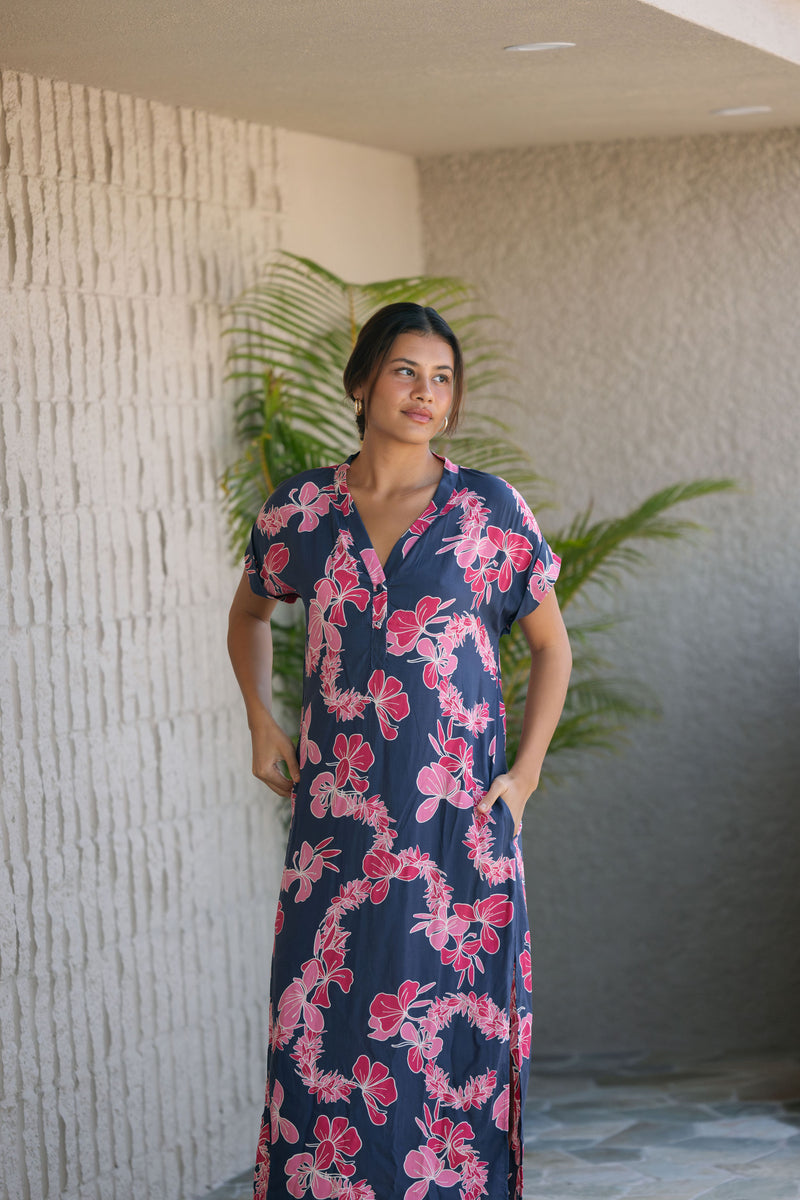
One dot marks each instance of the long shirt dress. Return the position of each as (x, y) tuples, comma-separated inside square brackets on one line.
[(400, 999)]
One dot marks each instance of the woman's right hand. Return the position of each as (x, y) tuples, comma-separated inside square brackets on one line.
[(270, 747)]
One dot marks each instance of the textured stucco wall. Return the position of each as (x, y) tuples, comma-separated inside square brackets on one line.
[(651, 292), (140, 862)]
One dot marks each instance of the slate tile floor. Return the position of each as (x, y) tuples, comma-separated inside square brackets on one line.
[(638, 1127)]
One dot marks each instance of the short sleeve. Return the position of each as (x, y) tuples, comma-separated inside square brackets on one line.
[(271, 556), (528, 567)]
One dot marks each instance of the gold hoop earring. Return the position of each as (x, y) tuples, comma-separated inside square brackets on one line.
[(359, 405), (443, 429)]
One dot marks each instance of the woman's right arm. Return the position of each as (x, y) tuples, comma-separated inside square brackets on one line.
[(250, 650)]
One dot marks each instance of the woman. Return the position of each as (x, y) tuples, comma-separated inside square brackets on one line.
[(400, 1017)]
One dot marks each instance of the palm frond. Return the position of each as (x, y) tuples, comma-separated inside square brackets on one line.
[(597, 716), (603, 551)]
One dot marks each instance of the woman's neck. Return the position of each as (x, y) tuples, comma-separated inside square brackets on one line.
[(392, 468)]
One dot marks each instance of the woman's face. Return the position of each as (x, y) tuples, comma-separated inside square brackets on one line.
[(413, 390)]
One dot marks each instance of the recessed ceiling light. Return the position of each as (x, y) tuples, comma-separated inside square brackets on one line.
[(744, 111), (540, 46)]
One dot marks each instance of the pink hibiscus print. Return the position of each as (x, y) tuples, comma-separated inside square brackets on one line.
[(275, 560), (423, 522), (463, 957), (309, 751), (323, 788), (383, 866), (334, 593), (377, 1087), (440, 927), (404, 627), (425, 1167), (391, 703), (480, 579), (331, 971), (493, 912), (450, 1139), (525, 964), (337, 1138), (464, 544), (513, 549), (302, 1175), (321, 632), (309, 862), (388, 1011), (500, 1109), (438, 784), (281, 1126), (438, 658), (373, 565), (295, 1000), (456, 754), (543, 578), (522, 1049), (311, 502), (422, 1042), (354, 757)]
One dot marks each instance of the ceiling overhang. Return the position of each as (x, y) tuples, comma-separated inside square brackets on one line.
[(429, 79)]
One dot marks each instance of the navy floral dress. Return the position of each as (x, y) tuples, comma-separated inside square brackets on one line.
[(400, 1001)]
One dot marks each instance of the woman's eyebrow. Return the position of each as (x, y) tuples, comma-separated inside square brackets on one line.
[(411, 363)]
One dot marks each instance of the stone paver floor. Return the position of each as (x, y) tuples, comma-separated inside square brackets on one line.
[(638, 1127)]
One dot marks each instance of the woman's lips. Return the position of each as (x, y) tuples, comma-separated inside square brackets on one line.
[(417, 414)]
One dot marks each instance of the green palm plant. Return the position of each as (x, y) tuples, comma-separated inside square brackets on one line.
[(289, 338)]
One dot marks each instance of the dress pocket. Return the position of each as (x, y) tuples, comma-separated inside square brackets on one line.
[(507, 817)]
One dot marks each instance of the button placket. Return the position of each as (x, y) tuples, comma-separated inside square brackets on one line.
[(380, 598)]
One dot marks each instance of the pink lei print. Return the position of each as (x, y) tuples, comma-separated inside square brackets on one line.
[(400, 1000)]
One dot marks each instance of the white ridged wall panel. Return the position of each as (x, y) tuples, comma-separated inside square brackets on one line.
[(139, 860)]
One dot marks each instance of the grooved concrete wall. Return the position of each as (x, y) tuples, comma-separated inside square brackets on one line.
[(651, 292), (140, 862)]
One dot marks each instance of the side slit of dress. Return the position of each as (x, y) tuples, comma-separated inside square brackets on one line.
[(514, 1099)]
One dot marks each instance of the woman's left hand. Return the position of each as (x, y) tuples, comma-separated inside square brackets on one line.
[(514, 792)]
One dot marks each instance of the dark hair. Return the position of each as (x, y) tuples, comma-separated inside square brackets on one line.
[(376, 339)]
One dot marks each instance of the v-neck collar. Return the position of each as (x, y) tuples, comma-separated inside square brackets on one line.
[(369, 555)]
